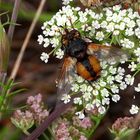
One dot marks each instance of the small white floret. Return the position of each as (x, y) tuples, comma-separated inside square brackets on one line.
[(44, 57), (66, 98), (134, 109), (137, 89), (115, 98)]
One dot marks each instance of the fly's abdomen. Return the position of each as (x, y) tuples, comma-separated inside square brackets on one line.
[(95, 63), (89, 68)]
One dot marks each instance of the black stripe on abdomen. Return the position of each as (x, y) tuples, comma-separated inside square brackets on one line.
[(88, 67)]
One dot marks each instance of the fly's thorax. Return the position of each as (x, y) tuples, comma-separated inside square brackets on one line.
[(77, 49)]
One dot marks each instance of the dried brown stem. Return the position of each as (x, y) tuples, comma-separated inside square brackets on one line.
[(13, 19), (27, 38)]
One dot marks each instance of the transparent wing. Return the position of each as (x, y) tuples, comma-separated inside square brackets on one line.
[(104, 52), (65, 78), (85, 2), (91, 2)]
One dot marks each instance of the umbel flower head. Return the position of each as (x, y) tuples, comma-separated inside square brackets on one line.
[(23, 120), (123, 127), (4, 49), (35, 113), (120, 123), (113, 25)]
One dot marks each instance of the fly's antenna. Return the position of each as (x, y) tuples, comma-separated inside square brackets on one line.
[(60, 32), (71, 23), (61, 27), (65, 26), (65, 29)]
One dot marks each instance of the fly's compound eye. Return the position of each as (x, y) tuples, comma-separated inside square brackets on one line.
[(76, 48), (78, 53)]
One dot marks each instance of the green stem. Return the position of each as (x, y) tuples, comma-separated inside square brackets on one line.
[(26, 132), (51, 132), (4, 93), (53, 50), (136, 73), (45, 136), (94, 128), (97, 123), (7, 109), (4, 13)]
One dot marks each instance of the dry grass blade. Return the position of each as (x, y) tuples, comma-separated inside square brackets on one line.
[(27, 38), (13, 19)]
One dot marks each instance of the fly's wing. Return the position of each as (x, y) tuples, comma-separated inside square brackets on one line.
[(85, 2), (89, 3), (65, 78), (104, 52)]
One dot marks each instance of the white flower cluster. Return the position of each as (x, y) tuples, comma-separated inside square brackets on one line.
[(53, 30), (66, 2), (111, 26)]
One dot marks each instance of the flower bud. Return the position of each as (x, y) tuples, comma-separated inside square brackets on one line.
[(4, 50), (23, 120)]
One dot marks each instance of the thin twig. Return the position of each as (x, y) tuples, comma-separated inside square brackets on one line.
[(28, 36), (13, 19)]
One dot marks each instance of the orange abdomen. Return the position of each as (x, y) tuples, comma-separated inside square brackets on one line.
[(89, 68)]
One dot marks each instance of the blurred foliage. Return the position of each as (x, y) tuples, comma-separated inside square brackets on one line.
[(8, 133), (6, 97), (24, 14)]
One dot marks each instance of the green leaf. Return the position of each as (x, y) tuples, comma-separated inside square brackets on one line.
[(1, 99), (8, 133), (16, 92), (113, 132), (95, 118), (125, 132)]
